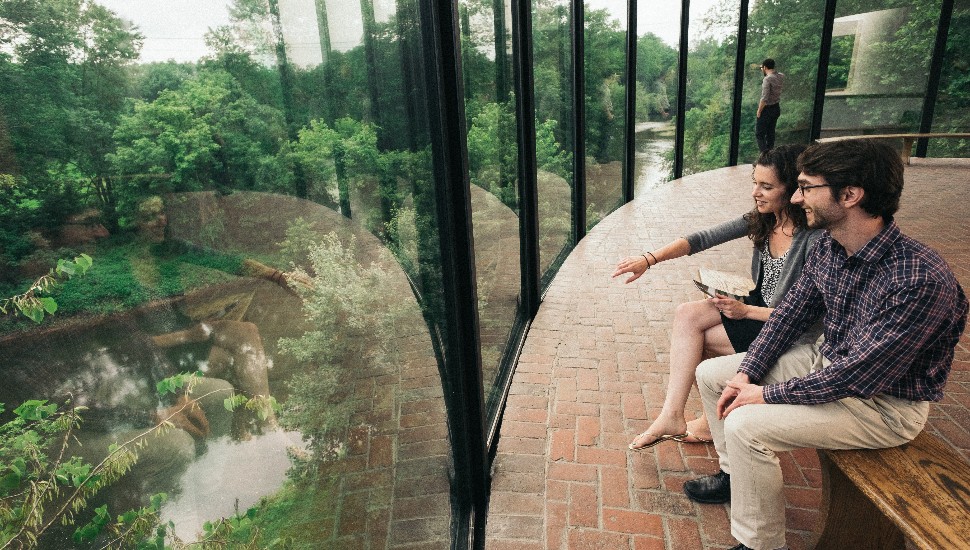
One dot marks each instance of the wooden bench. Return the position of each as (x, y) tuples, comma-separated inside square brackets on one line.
[(876, 499), (908, 139)]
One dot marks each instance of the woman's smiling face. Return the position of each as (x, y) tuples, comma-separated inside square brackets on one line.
[(768, 191)]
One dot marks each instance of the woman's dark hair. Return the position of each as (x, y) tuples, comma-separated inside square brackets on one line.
[(784, 160)]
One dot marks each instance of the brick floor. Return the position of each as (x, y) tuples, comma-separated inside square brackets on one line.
[(594, 367)]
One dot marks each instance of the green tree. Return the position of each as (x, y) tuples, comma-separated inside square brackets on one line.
[(551, 45), (208, 134), (492, 152), (19, 206), (150, 79), (605, 103), (351, 330), (953, 107), (708, 110), (63, 82), (550, 155), (343, 163), (656, 76)]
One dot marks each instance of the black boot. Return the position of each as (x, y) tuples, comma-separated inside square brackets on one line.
[(740, 547), (715, 489)]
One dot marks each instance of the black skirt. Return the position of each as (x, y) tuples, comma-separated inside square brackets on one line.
[(742, 332)]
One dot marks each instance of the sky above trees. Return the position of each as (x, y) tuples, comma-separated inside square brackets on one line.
[(175, 29), (660, 17)]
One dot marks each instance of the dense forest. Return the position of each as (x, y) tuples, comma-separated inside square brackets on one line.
[(86, 127)]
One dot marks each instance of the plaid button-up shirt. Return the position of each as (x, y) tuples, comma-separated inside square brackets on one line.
[(893, 312)]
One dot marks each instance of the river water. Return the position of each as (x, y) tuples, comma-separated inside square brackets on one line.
[(111, 366), (654, 142)]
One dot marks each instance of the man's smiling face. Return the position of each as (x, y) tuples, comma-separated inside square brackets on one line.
[(821, 209)]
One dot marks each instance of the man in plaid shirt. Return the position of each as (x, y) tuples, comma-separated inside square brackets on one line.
[(892, 313)]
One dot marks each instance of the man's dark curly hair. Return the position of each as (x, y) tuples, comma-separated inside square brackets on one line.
[(784, 160), (866, 163)]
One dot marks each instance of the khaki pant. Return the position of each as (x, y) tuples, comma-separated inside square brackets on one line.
[(749, 437)]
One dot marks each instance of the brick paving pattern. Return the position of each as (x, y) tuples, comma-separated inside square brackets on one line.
[(593, 371)]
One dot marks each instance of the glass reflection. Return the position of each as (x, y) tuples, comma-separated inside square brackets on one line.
[(254, 338), (879, 66), (493, 171), (551, 44), (788, 45), (952, 113), (605, 48), (658, 38), (710, 81)]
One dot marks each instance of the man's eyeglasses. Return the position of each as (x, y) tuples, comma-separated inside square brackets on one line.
[(804, 188)]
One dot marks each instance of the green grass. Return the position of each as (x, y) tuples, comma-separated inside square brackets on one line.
[(127, 275), (301, 513)]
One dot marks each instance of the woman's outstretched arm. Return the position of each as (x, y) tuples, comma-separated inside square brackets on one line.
[(638, 265)]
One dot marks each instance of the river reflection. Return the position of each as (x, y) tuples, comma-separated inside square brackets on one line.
[(229, 477), (213, 462)]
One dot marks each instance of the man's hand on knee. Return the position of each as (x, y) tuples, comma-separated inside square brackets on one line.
[(739, 391)]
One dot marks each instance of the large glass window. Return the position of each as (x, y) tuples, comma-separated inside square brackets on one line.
[(255, 336), (879, 66), (493, 171), (710, 84), (794, 46), (605, 47), (554, 126), (658, 37), (221, 290)]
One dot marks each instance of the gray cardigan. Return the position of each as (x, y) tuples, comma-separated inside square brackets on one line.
[(735, 229)]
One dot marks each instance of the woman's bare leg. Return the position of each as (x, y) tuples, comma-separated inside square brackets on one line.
[(697, 333), (716, 344)]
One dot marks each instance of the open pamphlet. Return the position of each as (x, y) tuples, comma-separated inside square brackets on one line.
[(719, 283)]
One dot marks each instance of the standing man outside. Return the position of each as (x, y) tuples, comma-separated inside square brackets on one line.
[(768, 107), (893, 313)]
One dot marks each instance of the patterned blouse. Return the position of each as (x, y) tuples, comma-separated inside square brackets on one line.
[(770, 272)]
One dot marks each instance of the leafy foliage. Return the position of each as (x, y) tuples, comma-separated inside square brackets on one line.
[(336, 160), (36, 473), (350, 323), (605, 104), (550, 155), (656, 76), (131, 274), (32, 304), (172, 384), (493, 153), (41, 485), (70, 59), (208, 133)]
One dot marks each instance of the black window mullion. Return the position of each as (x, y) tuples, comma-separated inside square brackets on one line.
[(936, 70), (825, 51), (735, 147), (524, 79), (630, 145), (462, 368), (681, 90), (578, 18)]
